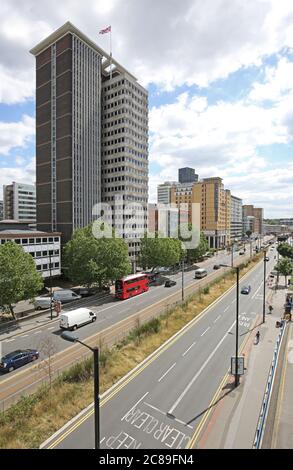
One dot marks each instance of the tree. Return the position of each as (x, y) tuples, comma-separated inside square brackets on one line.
[(194, 254), (285, 267), (160, 251), (19, 278), (89, 260), (248, 233), (285, 250)]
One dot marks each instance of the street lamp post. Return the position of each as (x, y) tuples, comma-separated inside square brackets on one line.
[(264, 286), (232, 249), (182, 291), (51, 293), (74, 339), (236, 382)]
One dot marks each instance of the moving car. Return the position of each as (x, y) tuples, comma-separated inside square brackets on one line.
[(170, 283), (83, 291), (18, 358), (217, 266), (200, 273), (245, 290), (79, 317), (65, 295)]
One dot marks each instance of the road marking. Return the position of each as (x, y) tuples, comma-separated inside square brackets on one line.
[(51, 328), (233, 301), (217, 318), (37, 332), (9, 340), (187, 388), (24, 336), (257, 290), (135, 405), (227, 308), (164, 375), (205, 331), (162, 412), (102, 440), (188, 349)]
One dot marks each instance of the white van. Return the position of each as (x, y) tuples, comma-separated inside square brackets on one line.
[(72, 320), (200, 273), (42, 302)]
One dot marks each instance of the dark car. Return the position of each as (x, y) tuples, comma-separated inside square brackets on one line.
[(217, 266), (241, 252), (245, 290), (83, 291), (170, 283), (17, 359)]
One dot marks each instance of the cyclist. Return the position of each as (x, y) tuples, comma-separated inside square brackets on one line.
[(270, 308), (257, 336)]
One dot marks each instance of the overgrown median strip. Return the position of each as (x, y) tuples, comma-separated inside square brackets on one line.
[(33, 419)]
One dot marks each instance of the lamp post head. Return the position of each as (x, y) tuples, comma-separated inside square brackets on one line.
[(69, 337)]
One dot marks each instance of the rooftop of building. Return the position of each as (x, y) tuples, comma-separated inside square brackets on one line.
[(26, 233), (68, 27)]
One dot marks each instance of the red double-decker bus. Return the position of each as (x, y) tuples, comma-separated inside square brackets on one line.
[(131, 285)]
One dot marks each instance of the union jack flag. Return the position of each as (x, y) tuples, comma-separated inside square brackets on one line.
[(106, 30)]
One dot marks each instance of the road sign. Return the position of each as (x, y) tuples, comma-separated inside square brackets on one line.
[(240, 365)]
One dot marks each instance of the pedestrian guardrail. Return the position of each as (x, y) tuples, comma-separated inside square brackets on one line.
[(268, 391)]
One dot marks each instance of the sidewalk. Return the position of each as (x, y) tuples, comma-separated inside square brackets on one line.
[(234, 419)]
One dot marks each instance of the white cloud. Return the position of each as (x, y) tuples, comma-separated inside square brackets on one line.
[(16, 134)]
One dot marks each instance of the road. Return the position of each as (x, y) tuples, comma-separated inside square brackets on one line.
[(161, 404)]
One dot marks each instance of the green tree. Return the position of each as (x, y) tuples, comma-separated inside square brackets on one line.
[(19, 278), (285, 267), (89, 260), (194, 254), (285, 250), (248, 233), (160, 251)]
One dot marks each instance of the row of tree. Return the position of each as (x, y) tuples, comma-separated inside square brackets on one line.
[(87, 261), (285, 265)]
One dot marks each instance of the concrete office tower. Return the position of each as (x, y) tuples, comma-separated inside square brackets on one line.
[(77, 167), (187, 175), (248, 210), (236, 218), (19, 202), (125, 154), (164, 192)]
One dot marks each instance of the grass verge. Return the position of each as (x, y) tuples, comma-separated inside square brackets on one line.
[(36, 417)]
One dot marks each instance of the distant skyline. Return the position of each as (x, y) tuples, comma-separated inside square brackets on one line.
[(219, 75)]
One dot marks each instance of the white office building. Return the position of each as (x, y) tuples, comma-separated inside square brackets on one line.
[(19, 202)]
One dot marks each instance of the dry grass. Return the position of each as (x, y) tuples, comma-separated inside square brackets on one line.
[(31, 421)]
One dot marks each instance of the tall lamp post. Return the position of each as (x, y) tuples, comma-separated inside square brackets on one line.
[(74, 339), (182, 288), (51, 293), (264, 286), (237, 269)]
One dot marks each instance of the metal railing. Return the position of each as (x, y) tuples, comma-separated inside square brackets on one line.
[(268, 391)]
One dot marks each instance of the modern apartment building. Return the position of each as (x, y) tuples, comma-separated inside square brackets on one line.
[(187, 175), (91, 135), (19, 202), (1, 210), (182, 197), (215, 207), (164, 192), (236, 218), (248, 210)]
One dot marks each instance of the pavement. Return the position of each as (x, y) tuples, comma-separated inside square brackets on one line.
[(167, 401), (234, 418)]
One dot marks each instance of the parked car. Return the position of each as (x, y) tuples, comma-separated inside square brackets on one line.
[(18, 358), (75, 318), (245, 290), (83, 291), (170, 283), (65, 295), (217, 266), (43, 301)]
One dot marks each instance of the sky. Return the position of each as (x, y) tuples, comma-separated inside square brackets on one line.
[(219, 75)]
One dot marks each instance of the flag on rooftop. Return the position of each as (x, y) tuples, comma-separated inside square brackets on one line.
[(106, 30)]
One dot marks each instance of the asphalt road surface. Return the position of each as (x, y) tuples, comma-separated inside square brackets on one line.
[(160, 405)]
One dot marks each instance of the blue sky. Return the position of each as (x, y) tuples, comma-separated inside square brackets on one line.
[(219, 76)]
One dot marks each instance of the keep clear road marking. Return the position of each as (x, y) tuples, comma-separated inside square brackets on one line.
[(162, 412), (205, 331), (164, 375), (179, 399), (184, 354), (217, 318), (135, 405)]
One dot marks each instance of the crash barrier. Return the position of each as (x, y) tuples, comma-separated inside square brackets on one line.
[(268, 391)]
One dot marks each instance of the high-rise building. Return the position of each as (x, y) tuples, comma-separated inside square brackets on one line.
[(236, 218), (164, 192), (19, 202), (91, 134), (187, 175), (248, 210), (182, 196), (1, 210)]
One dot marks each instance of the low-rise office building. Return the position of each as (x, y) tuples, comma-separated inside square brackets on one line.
[(19, 202)]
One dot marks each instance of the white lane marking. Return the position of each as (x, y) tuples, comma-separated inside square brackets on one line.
[(217, 318), (205, 331), (135, 405), (188, 349), (9, 340), (227, 308), (233, 301), (37, 332), (162, 412), (52, 328), (179, 399), (164, 375), (102, 440), (24, 336), (253, 296)]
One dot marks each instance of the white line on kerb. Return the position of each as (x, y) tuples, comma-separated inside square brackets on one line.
[(23, 336), (200, 371), (52, 328), (205, 331), (164, 375), (188, 349), (217, 318)]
